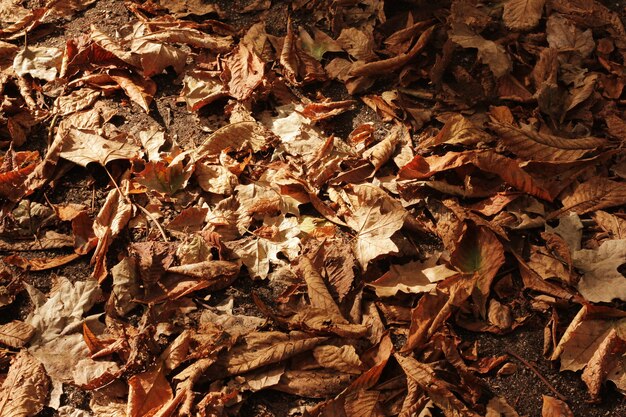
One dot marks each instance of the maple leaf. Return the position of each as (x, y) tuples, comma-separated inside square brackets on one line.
[(601, 280), (156, 57), (489, 52), (167, 176), (258, 252), (374, 228), (84, 147)]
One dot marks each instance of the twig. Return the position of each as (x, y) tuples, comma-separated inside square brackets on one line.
[(129, 201), (532, 368)]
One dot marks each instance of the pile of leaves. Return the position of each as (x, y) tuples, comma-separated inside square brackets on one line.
[(490, 190)]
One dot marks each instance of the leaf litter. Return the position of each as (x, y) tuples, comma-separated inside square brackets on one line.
[(207, 206)]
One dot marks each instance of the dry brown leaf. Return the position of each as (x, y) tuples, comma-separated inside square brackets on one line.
[(614, 225), (155, 57), (299, 67), (359, 69), (553, 407), (38, 61), (265, 348), (506, 168), (16, 333), (344, 358), (50, 240), (191, 37), (522, 14), (140, 90), (602, 280), (489, 52), (319, 296), (205, 270), (594, 194), (374, 226), (84, 147), (313, 384), (564, 36), (148, 391), (201, 88), (539, 146), (326, 110), (438, 390), (358, 43), (383, 150), (235, 136), (25, 389), (243, 72)]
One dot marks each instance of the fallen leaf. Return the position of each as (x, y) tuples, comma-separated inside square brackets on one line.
[(38, 62), (266, 348), (201, 88), (564, 36), (343, 359), (522, 14), (243, 72), (84, 147), (16, 333), (539, 146), (374, 227), (594, 194), (553, 407), (602, 280), (140, 90), (489, 52), (148, 391), (25, 389)]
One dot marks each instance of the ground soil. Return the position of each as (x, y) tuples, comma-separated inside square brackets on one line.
[(523, 389)]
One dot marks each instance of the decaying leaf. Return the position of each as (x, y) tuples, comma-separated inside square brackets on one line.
[(522, 14), (24, 391), (16, 333), (489, 53)]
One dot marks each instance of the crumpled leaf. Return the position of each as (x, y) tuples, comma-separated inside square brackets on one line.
[(148, 391), (299, 67), (258, 252), (41, 62), (564, 36), (438, 390), (155, 57), (489, 52), (522, 14), (16, 333), (266, 348), (83, 147), (138, 89), (344, 358), (201, 88), (507, 169), (25, 389), (243, 72), (166, 176), (601, 280)]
